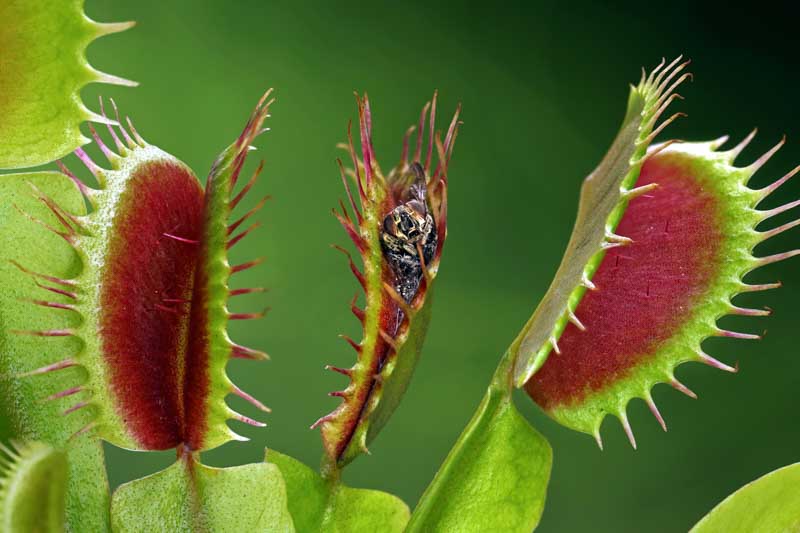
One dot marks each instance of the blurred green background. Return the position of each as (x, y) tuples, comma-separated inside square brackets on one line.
[(544, 85)]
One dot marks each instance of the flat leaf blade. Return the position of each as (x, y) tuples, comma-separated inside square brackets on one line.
[(769, 504), (494, 479), (191, 497), (320, 505)]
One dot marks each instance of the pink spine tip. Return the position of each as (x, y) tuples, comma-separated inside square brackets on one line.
[(777, 257), (761, 161), (248, 420), (125, 135), (243, 352), (66, 363), (683, 388), (234, 225), (734, 152), (53, 305), (62, 292), (353, 268), (357, 311), (656, 413), (64, 393), (110, 156), (772, 187), (248, 186), (77, 406), (576, 321), (249, 290), (88, 162), (234, 240), (554, 344), (737, 335), (351, 342), (85, 429), (247, 397), (247, 316), (53, 279), (46, 333), (762, 287), (245, 266), (710, 361), (743, 311), (626, 425), (338, 370), (778, 210), (320, 421)]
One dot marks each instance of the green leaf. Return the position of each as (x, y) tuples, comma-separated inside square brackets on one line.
[(604, 196), (27, 374), (495, 477), (319, 505), (191, 497), (770, 504), (42, 70), (32, 488), (395, 319)]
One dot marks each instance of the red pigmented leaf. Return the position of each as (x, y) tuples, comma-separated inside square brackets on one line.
[(605, 194), (145, 296), (396, 314), (152, 295), (659, 296)]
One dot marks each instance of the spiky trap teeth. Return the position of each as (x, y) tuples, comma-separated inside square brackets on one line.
[(45, 41), (151, 293), (604, 196), (399, 226), (691, 242)]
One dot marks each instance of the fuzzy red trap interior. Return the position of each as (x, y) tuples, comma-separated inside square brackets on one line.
[(153, 293), (658, 293), (145, 298), (643, 291)]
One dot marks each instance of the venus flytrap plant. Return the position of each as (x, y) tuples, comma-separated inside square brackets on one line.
[(398, 226), (143, 347), (498, 448), (113, 314), (663, 239), (403, 215), (692, 239), (151, 236)]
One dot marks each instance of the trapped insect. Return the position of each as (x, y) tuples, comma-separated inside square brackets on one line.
[(407, 231)]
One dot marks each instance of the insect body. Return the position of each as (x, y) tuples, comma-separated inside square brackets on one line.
[(406, 230)]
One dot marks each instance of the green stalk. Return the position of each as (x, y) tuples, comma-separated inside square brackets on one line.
[(497, 449)]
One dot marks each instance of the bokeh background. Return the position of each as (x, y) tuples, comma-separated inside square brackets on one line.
[(544, 85)]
